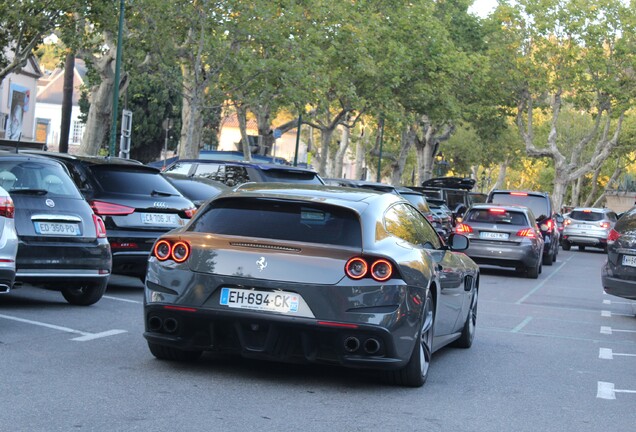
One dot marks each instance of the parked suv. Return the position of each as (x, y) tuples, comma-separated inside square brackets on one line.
[(62, 244), (135, 201), (234, 173), (541, 206), (587, 226)]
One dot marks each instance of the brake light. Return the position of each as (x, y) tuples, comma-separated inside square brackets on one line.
[(518, 193), (526, 232), (7, 209), (604, 224), (587, 211), (104, 208), (547, 225), (166, 249), (463, 228), (189, 213), (100, 228), (613, 235), (567, 222), (497, 210), (377, 268)]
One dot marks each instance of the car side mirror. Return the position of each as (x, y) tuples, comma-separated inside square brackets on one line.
[(458, 242)]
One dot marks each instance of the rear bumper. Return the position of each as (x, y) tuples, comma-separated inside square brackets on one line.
[(616, 286), (526, 255), (7, 278), (599, 240)]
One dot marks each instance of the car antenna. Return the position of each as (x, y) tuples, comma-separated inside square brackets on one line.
[(18, 142)]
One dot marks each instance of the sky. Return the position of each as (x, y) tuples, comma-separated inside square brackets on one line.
[(483, 7)]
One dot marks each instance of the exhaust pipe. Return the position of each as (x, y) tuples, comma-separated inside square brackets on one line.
[(170, 325), (371, 346), (4, 288), (351, 344), (154, 323)]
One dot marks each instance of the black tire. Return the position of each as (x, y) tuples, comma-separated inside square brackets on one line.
[(415, 373), (556, 252), (533, 272), (566, 246), (547, 259), (468, 332), (85, 294), (163, 352), (581, 248)]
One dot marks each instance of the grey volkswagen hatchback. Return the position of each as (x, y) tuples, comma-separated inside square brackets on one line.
[(306, 273), (62, 243)]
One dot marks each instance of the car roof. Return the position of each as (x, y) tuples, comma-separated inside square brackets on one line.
[(95, 160), (24, 156), (593, 209), (262, 165), (505, 191)]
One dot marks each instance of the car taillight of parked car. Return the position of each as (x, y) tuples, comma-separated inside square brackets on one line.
[(547, 225), (189, 213), (613, 235), (379, 269), (100, 228), (604, 224), (526, 232), (463, 228), (177, 251), (105, 208), (7, 209)]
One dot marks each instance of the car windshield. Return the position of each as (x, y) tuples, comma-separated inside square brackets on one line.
[(37, 178), (497, 216), (272, 219), (586, 215), (538, 204), (113, 179)]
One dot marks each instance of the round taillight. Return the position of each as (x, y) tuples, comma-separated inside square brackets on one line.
[(356, 268), (381, 270), (162, 250), (180, 251)]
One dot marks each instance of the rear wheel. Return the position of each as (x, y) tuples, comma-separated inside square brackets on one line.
[(163, 352), (85, 294), (566, 246), (533, 272), (415, 372), (468, 332), (547, 259)]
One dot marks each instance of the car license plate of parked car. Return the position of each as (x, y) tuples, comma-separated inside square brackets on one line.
[(493, 235), (159, 218), (284, 302), (629, 260), (57, 229)]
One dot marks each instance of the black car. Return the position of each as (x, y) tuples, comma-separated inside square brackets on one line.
[(541, 206), (62, 243), (455, 191), (311, 274), (619, 271), (135, 201), (196, 189), (234, 173)]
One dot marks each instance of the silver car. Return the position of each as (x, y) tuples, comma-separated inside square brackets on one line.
[(588, 226), (8, 240), (505, 236)]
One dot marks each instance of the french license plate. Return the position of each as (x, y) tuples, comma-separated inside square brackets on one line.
[(283, 302), (159, 218), (57, 229), (629, 260), (493, 235)]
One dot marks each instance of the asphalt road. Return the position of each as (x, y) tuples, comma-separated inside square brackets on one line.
[(553, 354)]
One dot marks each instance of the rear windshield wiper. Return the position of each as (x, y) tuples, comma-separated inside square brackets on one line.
[(30, 191), (161, 193)]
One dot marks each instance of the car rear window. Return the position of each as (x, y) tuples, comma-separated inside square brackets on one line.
[(497, 216), (280, 220), (114, 179), (537, 203), (418, 201), (34, 175), (590, 216), (291, 176)]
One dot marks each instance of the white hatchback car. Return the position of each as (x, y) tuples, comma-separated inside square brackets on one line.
[(8, 240)]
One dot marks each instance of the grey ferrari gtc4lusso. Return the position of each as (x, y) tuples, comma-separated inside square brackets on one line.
[(312, 274)]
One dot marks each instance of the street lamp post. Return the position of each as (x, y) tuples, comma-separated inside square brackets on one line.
[(113, 128), (167, 125), (378, 177)]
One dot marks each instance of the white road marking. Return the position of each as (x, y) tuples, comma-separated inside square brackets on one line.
[(521, 325), (608, 354), (618, 302), (609, 330), (85, 336), (121, 299), (607, 302), (606, 313), (543, 282), (609, 314), (607, 390)]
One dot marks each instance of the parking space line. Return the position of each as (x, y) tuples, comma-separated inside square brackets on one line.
[(609, 330), (521, 325), (543, 282), (618, 302), (606, 390), (121, 299), (84, 336), (609, 314), (608, 354)]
